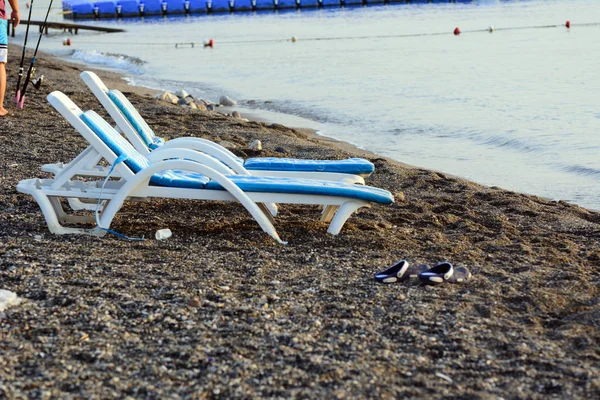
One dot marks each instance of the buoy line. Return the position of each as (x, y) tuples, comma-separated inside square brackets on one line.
[(294, 39)]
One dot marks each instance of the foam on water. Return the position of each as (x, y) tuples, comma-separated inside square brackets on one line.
[(109, 60)]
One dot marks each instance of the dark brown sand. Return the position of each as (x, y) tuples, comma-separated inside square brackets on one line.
[(222, 311)]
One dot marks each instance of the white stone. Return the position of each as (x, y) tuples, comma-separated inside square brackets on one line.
[(182, 93), (169, 97), (227, 101), (7, 299), (256, 145)]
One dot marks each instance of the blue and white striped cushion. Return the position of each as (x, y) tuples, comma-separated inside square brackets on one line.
[(135, 119)]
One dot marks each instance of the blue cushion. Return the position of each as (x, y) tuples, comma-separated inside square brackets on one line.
[(183, 179), (133, 116), (356, 166), (180, 179), (264, 184), (136, 162), (117, 143)]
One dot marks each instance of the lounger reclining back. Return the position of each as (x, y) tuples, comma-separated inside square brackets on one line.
[(145, 140)]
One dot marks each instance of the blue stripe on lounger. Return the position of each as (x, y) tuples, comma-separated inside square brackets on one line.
[(307, 186), (356, 166), (134, 118)]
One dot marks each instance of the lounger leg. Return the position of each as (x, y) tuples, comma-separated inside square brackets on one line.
[(328, 213), (271, 209), (52, 218), (265, 208), (64, 217), (342, 215)]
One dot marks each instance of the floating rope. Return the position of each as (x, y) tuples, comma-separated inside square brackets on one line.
[(315, 39)]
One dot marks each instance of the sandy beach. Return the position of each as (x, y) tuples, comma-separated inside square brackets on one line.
[(220, 310)]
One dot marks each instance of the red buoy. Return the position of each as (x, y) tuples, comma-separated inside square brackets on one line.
[(211, 43), (457, 31), (568, 24), (68, 41)]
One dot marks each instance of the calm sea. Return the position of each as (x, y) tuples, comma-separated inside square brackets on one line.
[(518, 108)]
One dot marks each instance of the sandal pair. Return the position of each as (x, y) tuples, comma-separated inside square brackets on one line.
[(439, 273)]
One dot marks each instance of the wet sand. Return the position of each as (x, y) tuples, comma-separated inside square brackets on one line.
[(220, 310)]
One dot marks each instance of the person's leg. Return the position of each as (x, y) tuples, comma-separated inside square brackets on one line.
[(3, 111), (3, 57)]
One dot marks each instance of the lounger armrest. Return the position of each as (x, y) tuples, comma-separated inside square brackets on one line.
[(211, 148), (206, 142), (162, 154)]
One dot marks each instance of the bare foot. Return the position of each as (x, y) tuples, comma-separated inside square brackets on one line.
[(3, 112)]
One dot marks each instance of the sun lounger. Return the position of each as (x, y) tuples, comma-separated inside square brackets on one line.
[(137, 131), (182, 174)]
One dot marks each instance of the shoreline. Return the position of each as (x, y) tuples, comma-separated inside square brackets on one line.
[(219, 310)]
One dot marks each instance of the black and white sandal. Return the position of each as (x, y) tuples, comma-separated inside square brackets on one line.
[(460, 275), (437, 274), (393, 273), (399, 272)]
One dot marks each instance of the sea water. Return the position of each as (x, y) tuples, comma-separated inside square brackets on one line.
[(518, 107)]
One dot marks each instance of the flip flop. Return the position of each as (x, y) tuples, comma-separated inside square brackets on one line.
[(460, 275), (437, 274), (399, 272)]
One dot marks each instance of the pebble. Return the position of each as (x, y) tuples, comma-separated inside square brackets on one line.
[(227, 101), (194, 302), (227, 145), (201, 106), (379, 311), (399, 196), (444, 377), (236, 114), (184, 101), (280, 150), (256, 145)]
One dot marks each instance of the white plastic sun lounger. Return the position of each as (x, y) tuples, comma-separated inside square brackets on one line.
[(182, 174), (137, 131)]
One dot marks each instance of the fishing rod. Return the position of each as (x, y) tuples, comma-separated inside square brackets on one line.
[(18, 92), (21, 100)]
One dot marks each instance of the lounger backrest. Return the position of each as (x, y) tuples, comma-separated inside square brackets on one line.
[(111, 138), (135, 119), (101, 92)]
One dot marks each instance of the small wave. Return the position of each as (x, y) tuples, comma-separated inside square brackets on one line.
[(583, 171), (110, 60), (513, 144)]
